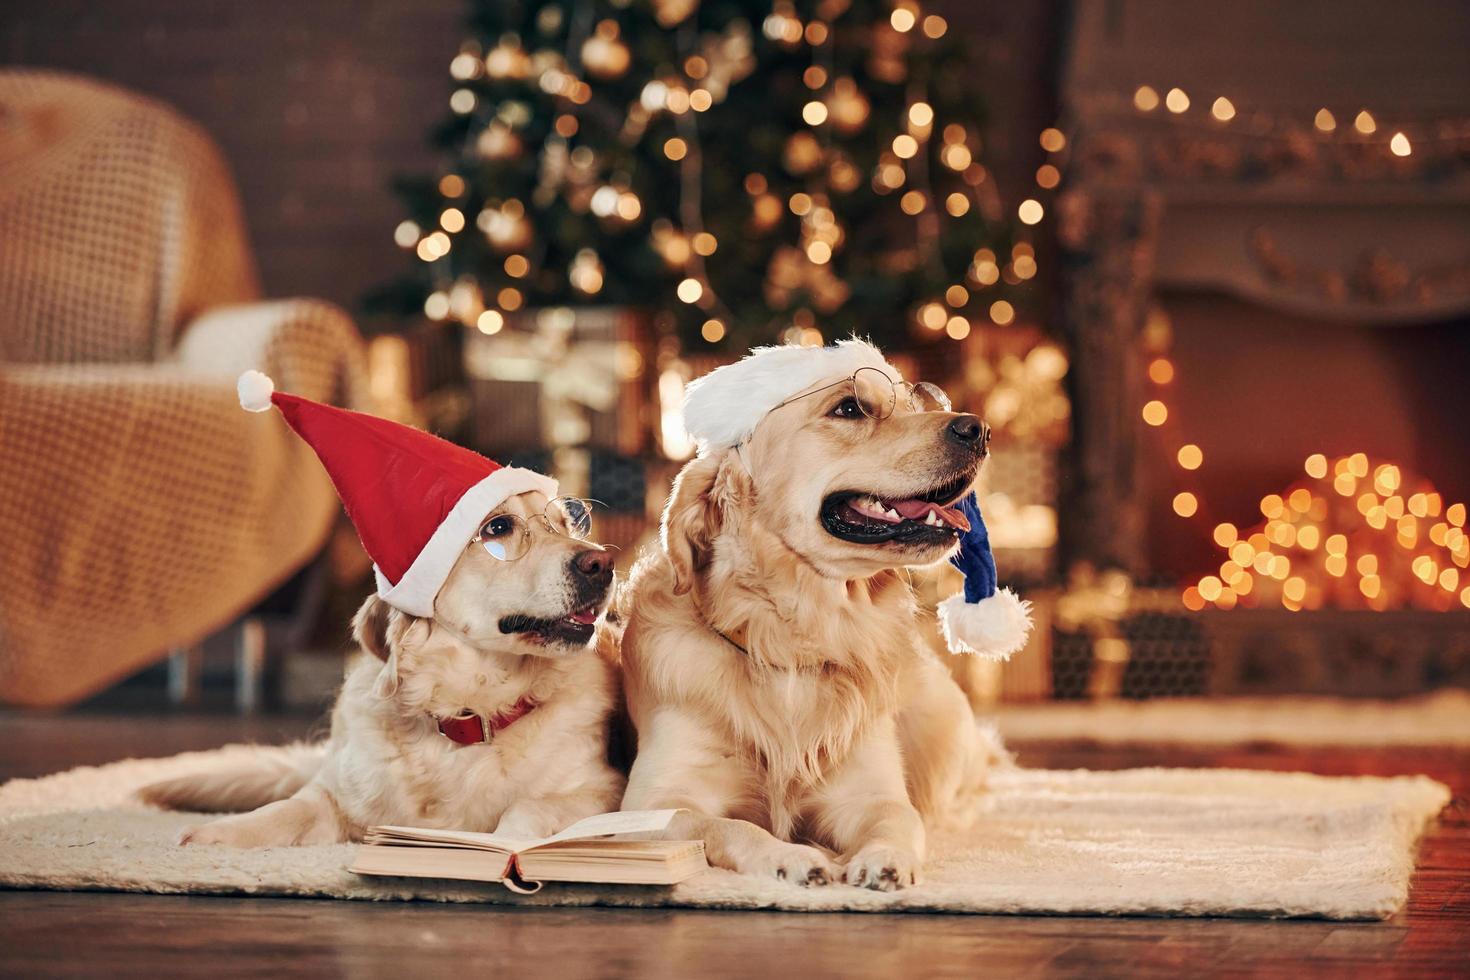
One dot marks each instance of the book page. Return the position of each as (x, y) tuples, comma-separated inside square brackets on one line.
[(601, 825), (607, 824)]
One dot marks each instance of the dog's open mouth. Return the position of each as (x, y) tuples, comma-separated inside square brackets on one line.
[(931, 517), (573, 629)]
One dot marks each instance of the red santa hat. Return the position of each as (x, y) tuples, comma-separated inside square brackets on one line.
[(415, 499)]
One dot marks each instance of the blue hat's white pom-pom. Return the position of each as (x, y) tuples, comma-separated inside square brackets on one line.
[(255, 390), (995, 627)]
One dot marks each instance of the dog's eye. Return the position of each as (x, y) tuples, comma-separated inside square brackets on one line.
[(848, 408), (497, 527)]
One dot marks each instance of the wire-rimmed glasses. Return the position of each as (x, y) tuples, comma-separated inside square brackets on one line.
[(877, 395), (508, 536)]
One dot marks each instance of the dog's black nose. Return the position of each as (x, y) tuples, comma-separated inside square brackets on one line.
[(967, 431), (594, 566)]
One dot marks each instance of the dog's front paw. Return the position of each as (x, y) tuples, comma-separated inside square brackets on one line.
[(883, 868), (797, 863), (215, 832), (528, 821)]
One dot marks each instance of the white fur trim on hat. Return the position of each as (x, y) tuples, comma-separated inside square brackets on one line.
[(722, 408), (415, 592), (255, 390), (995, 627)]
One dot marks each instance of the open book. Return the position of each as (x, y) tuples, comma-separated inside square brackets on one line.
[(596, 849)]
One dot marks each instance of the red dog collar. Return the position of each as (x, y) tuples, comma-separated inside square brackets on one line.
[(473, 729)]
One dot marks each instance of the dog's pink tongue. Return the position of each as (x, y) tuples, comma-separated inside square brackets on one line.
[(917, 510), (585, 616)]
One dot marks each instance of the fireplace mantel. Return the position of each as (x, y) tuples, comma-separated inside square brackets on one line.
[(1264, 205)]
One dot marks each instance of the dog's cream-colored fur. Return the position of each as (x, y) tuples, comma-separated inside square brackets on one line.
[(385, 761), (818, 752)]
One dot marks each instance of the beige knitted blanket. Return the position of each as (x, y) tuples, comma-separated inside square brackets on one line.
[(1186, 842)]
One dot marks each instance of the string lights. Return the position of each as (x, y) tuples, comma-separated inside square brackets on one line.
[(1351, 534), (625, 153)]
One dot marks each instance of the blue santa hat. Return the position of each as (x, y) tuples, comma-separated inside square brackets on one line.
[(983, 619)]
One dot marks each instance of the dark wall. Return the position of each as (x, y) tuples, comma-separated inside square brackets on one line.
[(317, 104)]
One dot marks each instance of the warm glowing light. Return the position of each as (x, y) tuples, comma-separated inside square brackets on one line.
[(566, 125), (1194, 602), (1002, 313), (905, 146), (814, 113), (1161, 371), (921, 114), (690, 290), (516, 266), (820, 253), (957, 296), (932, 316), (1295, 588), (955, 156), (1190, 456), (1325, 121), (451, 185), (490, 322), (1300, 500), (957, 204), (1399, 145), (436, 306), (1455, 514), (1316, 466), (1155, 413), (1370, 585), (912, 202), (935, 26), (902, 20), (1030, 211), (800, 203), (700, 100), (1223, 109), (705, 243), (1364, 123), (406, 235), (452, 220), (712, 331), (1053, 140), (1024, 266), (1176, 100), (1145, 99), (675, 148), (1272, 505), (1226, 535), (462, 101), (1185, 504), (1047, 176), (958, 328), (1210, 588), (510, 298)]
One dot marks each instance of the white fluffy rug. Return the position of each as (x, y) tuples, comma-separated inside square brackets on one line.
[(1440, 719), (1142, 841)]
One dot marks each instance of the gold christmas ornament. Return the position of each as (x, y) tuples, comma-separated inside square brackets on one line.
[(803, 153), (508, 60), (671, 12), (498, 142), (847, 107), (604, 55), (505, 227)]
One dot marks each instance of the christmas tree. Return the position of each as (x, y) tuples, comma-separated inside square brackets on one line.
[(749, 173)]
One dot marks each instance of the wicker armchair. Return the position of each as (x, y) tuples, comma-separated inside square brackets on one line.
[(140, 508)]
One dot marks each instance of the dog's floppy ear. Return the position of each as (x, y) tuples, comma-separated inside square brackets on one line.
[(373, 627), (691, 520)]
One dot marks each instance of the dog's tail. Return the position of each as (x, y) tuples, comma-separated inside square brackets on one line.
[(275, 774)]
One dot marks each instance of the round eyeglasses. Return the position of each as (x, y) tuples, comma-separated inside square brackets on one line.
[(877, 395), (508, 536)]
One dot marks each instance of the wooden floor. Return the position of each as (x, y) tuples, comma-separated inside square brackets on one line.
[(44, 934)]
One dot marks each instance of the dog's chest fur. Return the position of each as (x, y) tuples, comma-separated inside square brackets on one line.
[(390, 764)]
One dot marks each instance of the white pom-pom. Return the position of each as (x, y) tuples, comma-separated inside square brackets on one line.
[(995, 627), (255, 390)]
